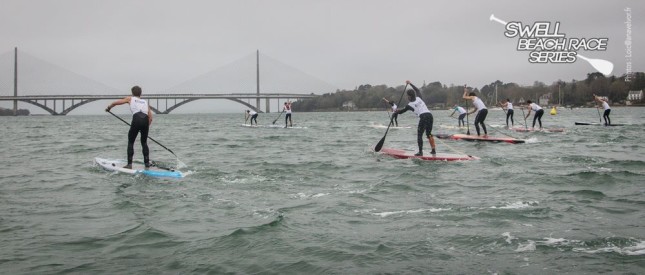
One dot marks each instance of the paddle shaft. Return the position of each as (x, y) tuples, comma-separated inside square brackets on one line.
[(379, 145), (467, 115), (526, 125), (148, 136), (599, 117), (276, 119)]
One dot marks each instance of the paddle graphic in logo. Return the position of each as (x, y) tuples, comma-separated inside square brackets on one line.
[(547, 45)]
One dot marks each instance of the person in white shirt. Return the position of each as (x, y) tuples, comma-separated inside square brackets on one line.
[(141, 120), (538, 113), (394, 114), (509, 111), (419, 107), (605, 106), (287, 117), (480, 108), (462, 115), (254, 116)]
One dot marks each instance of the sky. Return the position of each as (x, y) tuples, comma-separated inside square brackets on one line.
[(160, 44)]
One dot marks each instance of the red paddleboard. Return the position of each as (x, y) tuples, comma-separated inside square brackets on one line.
[(402, 154), (480, 138), (553, 130)]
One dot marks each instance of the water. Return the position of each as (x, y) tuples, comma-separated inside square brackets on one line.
[(316, 200)]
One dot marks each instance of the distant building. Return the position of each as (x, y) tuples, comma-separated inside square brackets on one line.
[(349, 105), (634, 96)]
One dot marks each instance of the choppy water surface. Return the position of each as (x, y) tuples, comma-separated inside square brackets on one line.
[(315, 199)]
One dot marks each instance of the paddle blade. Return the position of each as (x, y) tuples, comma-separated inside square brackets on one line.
[(379, 145)]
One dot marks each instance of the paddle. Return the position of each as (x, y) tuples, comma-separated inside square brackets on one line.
[(246, 117), (467, 112), (526, 125), (603, 66), (379, 145), (599, 117), (506, 114), (276, 119), (148, 136)]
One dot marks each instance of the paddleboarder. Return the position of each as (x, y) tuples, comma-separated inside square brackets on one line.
[(394, 114), (506, 103), (141, 120), (538, 113), (419, 107), (462, 114), (605, 106), (253, 115), (480, 108), (287, 116)]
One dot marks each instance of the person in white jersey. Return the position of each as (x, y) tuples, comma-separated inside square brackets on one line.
[(538, 113), (462, 114), (141, 120), (605, 106), (506, 104), (287, 116), (253, 115), (480, 108), (394, 114), (419, 107)]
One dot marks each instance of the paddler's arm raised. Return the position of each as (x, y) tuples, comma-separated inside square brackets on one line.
[(118, 102), (466, 96), (416, 90)]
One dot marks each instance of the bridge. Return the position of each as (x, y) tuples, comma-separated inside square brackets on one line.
[(51, 77), (154, 100)]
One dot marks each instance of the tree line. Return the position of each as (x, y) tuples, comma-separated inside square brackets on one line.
[(438, 95), (9, 112)]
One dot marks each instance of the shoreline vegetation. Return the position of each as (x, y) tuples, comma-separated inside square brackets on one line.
[(438, 96), (9, 112), (572, 94)]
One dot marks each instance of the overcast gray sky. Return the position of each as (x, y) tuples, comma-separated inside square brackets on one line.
[(161, 44)]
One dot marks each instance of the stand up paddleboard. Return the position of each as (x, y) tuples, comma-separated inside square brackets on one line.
[(381, 126), (403, 154), (552, 130), (480, 138), (598, 124), (137, 168)]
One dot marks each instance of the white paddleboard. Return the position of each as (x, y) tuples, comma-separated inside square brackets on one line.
[(137, 168), (381, 126)]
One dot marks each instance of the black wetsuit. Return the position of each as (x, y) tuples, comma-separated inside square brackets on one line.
[(141, 124), (538, 117), (605, 115), (509, 114), (479, 119), (461, 121)]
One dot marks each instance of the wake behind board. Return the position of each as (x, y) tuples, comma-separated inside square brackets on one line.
[(480, 138), (598, 124), (403, 154), (137, 168), (552, 130)]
